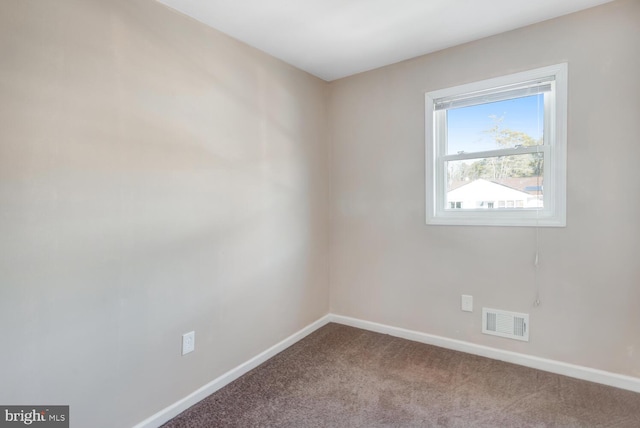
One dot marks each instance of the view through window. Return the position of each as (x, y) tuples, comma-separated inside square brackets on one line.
[(501, 181), (496, 150)]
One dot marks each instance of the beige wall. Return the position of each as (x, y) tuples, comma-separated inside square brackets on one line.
[(156, 177), (388, 266)]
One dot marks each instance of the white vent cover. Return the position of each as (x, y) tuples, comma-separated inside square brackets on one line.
[(505, 324)]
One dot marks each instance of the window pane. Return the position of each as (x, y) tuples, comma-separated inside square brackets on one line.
[(495, 183), (497, 125)]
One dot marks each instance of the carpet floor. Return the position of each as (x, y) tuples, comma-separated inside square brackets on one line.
[(341, 376)]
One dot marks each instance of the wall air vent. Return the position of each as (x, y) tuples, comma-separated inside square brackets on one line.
[(505, 324)]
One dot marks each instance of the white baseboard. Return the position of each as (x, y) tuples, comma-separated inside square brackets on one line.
[(178, 407), (579, 372)]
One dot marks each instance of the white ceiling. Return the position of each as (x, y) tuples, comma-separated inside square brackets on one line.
[(337, 38)]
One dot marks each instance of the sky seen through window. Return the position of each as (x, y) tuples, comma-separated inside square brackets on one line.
[(468, 127)]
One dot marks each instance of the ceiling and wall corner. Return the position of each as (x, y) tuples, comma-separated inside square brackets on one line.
[(332, 39)]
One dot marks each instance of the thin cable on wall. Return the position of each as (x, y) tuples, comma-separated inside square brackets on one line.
[(536, 262)]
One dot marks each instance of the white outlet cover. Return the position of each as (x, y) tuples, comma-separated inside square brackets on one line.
[(467, 303), (188, 342)]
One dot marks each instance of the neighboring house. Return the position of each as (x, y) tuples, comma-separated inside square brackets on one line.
[(484, 194)]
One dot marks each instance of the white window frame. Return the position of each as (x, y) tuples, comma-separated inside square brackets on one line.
[(554, 150)]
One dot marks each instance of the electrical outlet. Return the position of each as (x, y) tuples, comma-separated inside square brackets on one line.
[(467, 303), (188, 342)]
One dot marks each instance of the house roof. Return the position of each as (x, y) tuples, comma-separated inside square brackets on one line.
[(529, 185), (486, 190)]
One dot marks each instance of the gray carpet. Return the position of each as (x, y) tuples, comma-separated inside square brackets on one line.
[(346, 377)]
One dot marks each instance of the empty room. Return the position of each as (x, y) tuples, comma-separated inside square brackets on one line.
[(319, 213)]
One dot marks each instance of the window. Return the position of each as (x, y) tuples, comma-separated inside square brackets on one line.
[(496, 151)]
